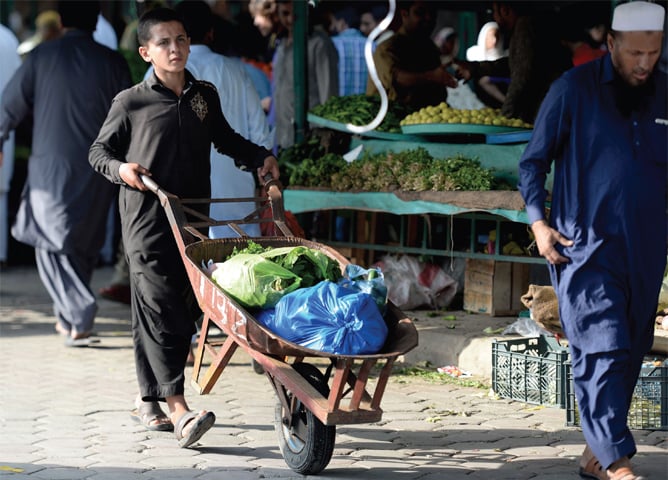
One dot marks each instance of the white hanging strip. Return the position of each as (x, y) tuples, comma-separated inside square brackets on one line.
[(368, 55)]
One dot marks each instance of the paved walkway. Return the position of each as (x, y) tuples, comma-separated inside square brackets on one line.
[(64, 415)]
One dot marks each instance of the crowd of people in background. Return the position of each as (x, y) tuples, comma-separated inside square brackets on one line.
[(258, 33)]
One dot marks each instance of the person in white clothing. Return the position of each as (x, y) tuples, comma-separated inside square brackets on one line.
[(105, 34), (489, 46), (242, 109), (488, 49), (10, 61)]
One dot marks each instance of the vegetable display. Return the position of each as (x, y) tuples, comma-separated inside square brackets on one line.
[(361, 110), (409, 170), (443, 113)]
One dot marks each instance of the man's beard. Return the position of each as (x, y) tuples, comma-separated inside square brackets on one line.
[(629, 97)]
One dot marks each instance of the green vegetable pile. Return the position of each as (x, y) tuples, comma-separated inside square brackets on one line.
[(290, 162), (251, 247), (312, 266), (317, 172), (361, 110), (409, 170)]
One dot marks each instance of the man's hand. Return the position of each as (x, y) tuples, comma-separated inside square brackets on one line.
[(130, 172), (546, 238), (270, 167), (462, 70), (444, 78)]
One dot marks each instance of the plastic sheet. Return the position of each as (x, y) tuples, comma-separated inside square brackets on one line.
[(414, 284), (259, 280), (253, 281)]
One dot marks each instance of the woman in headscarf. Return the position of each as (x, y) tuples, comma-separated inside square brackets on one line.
[(492, 91), (489, 46)]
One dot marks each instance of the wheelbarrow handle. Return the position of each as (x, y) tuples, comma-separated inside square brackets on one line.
[(150, 183), (269, 182)]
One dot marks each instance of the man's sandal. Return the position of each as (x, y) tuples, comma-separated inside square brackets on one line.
[(199, 425), (151, 416), (625, 473), (593, 470)]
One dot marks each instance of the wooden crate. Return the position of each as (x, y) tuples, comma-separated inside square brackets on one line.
[(495, 288)]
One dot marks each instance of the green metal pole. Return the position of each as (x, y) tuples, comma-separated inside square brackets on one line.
[(6, 6), (300, 38), (467, 32)]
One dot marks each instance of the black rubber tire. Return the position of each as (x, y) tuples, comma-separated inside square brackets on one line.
[(257, 368), (310, 453)]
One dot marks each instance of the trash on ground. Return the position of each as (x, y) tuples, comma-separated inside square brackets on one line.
[(453, 371)]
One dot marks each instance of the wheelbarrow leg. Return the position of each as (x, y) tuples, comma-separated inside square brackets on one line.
[(199, 354), (221, 357)]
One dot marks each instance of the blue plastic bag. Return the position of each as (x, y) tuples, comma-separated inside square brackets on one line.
[(329, 318), (369, 281)]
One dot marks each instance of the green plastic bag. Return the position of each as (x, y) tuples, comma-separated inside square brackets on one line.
[(254, 281), (260, 280)]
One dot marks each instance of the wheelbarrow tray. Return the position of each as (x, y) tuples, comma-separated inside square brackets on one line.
[(238, 322), (349, 400)]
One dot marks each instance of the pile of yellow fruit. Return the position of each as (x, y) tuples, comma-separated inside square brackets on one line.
[(443, 113)]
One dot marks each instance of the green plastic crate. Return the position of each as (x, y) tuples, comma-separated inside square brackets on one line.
[(649, 405), (530, 370)]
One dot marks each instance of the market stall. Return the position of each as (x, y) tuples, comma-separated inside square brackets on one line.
[(418, 213)]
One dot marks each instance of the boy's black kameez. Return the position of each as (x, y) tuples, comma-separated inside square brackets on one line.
[(170, 136)]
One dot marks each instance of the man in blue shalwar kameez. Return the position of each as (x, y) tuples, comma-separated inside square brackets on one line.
[(604, 126)]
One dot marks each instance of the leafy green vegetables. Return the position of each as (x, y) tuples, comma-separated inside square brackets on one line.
[(360, 110), (257, 276), (408, 170)]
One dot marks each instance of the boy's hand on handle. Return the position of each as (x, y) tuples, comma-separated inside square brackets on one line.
[(270, 167), (546, 238), (130, 172)]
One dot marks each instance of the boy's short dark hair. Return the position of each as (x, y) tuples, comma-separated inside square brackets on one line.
[(153, 17)]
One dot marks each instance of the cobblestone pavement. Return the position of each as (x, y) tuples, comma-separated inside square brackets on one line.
[(64, 414)]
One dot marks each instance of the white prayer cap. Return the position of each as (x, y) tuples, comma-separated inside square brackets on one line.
[(638, 16)]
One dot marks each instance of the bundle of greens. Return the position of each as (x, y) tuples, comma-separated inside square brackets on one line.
[(361, 110), (409, 170), (415, 170), (317, 172)]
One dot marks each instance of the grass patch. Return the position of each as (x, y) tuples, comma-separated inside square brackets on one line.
[(425, 371)]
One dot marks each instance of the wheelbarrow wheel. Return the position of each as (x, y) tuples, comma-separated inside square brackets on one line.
[(307, 445), (257, 368)]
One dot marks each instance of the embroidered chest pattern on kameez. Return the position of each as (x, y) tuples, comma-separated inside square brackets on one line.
[(199, 106)]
